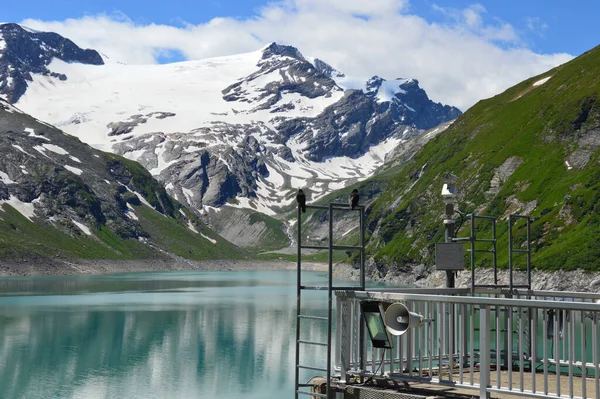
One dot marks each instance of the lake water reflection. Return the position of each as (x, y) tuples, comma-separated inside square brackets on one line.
[(221, 335)]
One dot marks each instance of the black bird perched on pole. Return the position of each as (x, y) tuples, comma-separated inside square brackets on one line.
[(301, 200), (354, 198)]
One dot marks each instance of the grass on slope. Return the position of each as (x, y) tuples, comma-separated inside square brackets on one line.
[(22, 239), (544, 127)]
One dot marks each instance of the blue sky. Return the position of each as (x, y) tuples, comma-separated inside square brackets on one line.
[(550, 26), (460, 50)]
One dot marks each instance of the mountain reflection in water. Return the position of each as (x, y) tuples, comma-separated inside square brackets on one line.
[(151, 335)]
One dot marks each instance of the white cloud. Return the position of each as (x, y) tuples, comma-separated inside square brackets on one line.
[(457, 63)]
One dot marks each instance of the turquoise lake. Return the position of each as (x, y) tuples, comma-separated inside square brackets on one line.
[(218, 335)]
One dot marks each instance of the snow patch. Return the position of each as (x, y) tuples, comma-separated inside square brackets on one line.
[(31, 132), (191, 227), (162, 165), (73, 170), (18, 147), (131, 212), (56, 149), (209, 239), (26, 209), (140, 197), (5, 179), (86, 230), (189, 194), (349, 231), (542, 81), (75, 159), (389, 88)]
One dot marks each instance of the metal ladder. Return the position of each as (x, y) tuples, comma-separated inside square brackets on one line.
[(302, 317)]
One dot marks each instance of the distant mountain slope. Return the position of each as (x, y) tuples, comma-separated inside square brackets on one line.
[(60, 198), (532, 150)]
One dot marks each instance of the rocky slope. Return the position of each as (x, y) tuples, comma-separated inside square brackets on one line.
[(60, 198), (242, 131)]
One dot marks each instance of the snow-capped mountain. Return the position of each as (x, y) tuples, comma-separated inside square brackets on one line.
[(245, 130), (24, 53)]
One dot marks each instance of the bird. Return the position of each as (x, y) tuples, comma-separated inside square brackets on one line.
[(354, 198), (301, 200)]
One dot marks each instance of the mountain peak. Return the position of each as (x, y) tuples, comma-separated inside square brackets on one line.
[(24, 52), (274, 50), (327, 69)]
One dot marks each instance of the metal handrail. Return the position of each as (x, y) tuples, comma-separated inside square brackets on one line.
[(498, 344)]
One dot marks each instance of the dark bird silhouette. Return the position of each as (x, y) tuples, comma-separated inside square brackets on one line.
[(354, 199), (301, 200)]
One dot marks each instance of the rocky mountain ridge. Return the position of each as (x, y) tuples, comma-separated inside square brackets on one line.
[(60, 198), (24, 52)]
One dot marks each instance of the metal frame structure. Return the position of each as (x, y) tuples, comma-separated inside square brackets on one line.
[(330, 288), (563, 361), (473, 240)]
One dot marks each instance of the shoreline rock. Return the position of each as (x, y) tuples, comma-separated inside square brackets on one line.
[(25, 267), (575, 281)]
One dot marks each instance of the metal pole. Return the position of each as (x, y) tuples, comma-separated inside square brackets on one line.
[(298, 301), (330, 298), (484, 352), (510, 254), (449, 224), (495, 248), (472, 254), (361, 328), (362, 248), (528, 252)]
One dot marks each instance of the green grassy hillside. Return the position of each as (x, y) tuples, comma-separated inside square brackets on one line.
[(530, 150), (62, 199)]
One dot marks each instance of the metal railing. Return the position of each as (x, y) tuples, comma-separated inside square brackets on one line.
[(536, 344)]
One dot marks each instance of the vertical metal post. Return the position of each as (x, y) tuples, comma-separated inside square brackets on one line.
[(484, 351), (595, 355), (510, 254), (534, 347), (472, 254), (583, 348), (557, 332), (509, 346), (463, 340), (362, 247), (529, 253), (545, 355), (495, 248), (570, 330), (298, 302), (498, 348), (361, 328), (329, 297), (339, 343)]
